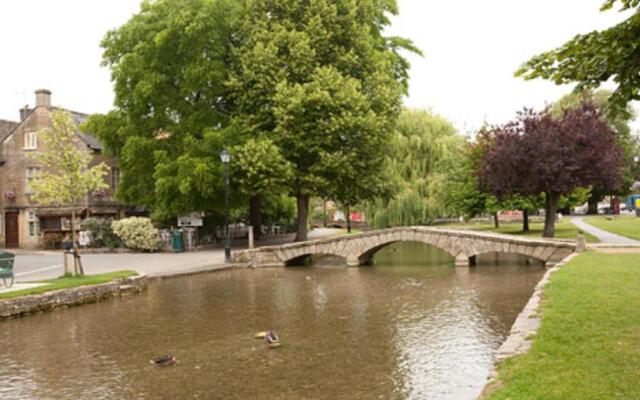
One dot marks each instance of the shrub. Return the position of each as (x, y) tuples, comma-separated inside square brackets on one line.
[(101, 233), (137, 233), (52, 241)]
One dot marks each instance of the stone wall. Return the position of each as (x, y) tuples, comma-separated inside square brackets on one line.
[(24, 305)]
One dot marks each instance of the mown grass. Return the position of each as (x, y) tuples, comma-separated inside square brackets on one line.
[(68, 281), (588, 346), (564, 229), (628, 226)]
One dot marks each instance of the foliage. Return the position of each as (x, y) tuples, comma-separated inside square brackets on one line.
[(586, 347), (321, 81), (101, 233), (67, 282), (564, 229), (137, 233), (52, 241), (421, 151), (594, 58), (67, 175), (620, 124), (169, 64), (538, 153), (258, 167)]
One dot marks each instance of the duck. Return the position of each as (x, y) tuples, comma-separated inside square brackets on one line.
[(272, 339), (164, 361)]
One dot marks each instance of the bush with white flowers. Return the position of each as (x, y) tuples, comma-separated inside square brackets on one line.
[(137, 233)]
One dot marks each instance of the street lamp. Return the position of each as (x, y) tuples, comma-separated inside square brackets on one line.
[(225, 158)]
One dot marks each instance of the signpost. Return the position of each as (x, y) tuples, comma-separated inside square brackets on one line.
[(189, 220)]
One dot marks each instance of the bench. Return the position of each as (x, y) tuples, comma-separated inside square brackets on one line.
[(6, 267)]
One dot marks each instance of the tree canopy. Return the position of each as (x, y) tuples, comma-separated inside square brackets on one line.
[(596, 57), (537, 153), (419, 156), (321, 80)]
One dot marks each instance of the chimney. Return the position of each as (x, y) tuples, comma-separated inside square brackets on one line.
[(43, 98), (24, 111)]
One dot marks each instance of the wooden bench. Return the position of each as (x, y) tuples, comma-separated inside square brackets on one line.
[(6, 267)]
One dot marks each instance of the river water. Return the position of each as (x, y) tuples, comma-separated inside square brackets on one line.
[(410, 327)]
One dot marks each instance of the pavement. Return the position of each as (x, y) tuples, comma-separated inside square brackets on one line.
[(606, 238), (38, 265)]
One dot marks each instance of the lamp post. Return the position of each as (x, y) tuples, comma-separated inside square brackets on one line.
[(225, 158)]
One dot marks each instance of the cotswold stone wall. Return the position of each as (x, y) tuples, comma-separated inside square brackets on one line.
[(24, 305)]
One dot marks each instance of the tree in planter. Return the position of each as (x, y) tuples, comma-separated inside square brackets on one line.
[(67, 176), (538, 153)]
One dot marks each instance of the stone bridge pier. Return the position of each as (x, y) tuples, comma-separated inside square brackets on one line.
[(463, 246)]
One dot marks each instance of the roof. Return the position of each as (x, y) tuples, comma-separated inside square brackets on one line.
[(89, 139), (6, 127)]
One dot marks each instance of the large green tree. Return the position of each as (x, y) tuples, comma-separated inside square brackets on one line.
[(322, 81), (597, 57), (169, 64)]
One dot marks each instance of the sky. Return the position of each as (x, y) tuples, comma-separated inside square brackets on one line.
[(471, 50)]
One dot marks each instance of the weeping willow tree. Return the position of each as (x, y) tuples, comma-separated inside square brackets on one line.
[(419, 152)]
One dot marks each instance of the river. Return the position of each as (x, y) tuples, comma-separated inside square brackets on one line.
[(410, 327)]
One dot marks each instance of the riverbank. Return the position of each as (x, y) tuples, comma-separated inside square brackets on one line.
[(69, 291), (588, 344)]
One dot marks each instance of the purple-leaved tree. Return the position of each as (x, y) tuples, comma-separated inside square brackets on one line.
[(538, 153)]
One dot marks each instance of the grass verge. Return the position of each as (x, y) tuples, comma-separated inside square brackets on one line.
[(628, 226), (588, 346), (564, 229), (68, 281)]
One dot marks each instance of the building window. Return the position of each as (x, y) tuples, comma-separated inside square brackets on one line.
[(115, 179), (32, 173), (30, 140), (33, 223)]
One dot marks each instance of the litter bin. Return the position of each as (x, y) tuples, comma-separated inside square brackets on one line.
[(177, 244)]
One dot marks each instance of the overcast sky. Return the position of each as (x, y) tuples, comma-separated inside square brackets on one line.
[(471, 50)]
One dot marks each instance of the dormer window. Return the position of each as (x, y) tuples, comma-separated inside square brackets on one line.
[(30, 140)]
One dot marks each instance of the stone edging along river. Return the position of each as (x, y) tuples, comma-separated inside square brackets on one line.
[(524, 328), (63, 298)]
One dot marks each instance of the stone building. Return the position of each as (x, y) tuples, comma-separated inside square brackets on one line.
[(23, 222)]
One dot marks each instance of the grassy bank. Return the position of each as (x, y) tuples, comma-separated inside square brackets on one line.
[(564, 229), (66, 282), (588, 347), (628, 226)]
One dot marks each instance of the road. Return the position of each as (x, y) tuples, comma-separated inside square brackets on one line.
[(37, 265)]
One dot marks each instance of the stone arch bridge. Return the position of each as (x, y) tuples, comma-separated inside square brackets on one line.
[(359, 249)]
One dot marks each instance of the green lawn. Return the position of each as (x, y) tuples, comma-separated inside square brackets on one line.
[(564, 229), (628, 226), (65, 282), (588, 347)]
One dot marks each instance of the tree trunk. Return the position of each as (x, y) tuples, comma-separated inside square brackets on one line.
[(525, 220), (592, 208), (77, 263), (324, 212), (348, 217), (496, 220), (551, 201), (303, 217), (255, 215)]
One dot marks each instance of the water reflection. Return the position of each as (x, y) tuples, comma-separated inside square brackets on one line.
[(411, 327)]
